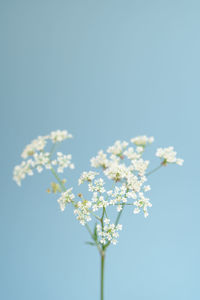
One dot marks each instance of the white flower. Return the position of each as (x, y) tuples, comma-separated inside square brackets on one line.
[(116, 171), (87, 176), (169, 155), (39, 169), (40, 159), (131, 195), (131, 154), (142, 140), (98, 202), (20, 171), (142, 203), (140, 166), (100, 160), (119, 197), (63, 161), (136, 210), (109, 232), (36, 145), (59, 135), (66, 197), (106, 221), (119, 227), (119, 208), (97, 186), (82, 211), (179, 161), (147, 188), (117, 148)]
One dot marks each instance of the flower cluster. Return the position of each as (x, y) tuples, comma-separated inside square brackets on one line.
[(169, 156), (20, 171), (125, 166), (118, 196), (100, 160), (66, 197), (59, 135), (118, 148), (142, 140), (40, 143), (39, 162), (63, 161), (97, 186), (108, 233), (36, 158), (87, 176), (142, 203), (82, 211), (122, 164), (98, 202)]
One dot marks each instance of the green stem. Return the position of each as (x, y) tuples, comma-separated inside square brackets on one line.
[(154, 170), (102, 275), (90, 232), (58, 179), (119, 215)]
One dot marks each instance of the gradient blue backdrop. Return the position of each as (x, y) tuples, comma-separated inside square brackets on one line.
[(104, 70)]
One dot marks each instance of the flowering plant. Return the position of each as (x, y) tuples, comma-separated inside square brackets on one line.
[(119, 182)]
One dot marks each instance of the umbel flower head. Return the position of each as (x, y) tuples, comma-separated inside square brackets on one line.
[(119, 182), (35, 157)]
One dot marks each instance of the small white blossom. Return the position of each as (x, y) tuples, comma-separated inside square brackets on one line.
[(147, 188), (106, 221), (119, 197), (98, 201), (39, 169), (40, 159), (87, 176), (140, 166), (117, 148), (59, 135), (20, 171), (116, 171), (136, 210), (100, 160), (109, 232), (119, 208), (63, 161), (36, 145), (131, 154), (169, 155), (82, 211), (142, 140), (142, 203), (97, 186), (66, 197), (179, 161)]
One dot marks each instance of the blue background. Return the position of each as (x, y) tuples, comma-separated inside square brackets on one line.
[(104, 70)]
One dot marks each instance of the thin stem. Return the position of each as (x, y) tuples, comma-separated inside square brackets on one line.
[(154, 170), (53, 149), (102, 275), (119, 215), (58, 179), (90, 232)]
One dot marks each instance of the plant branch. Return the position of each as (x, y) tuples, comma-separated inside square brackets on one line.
[(154, 170)]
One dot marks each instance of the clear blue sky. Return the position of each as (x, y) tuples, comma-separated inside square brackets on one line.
[(104, 70)]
